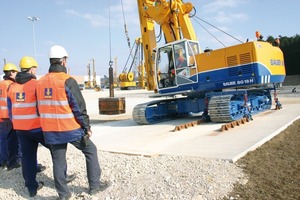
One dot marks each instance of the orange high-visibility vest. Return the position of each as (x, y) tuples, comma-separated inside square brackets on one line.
[(24, 106), (3, 98), (55, 113)]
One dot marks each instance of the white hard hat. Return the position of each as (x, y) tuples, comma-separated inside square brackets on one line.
[(57, 51)]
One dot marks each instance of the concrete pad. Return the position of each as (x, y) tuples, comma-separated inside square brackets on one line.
[(119, 133)]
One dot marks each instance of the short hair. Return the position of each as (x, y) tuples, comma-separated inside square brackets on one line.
[(56, 60), (8, 73), (25, 70)]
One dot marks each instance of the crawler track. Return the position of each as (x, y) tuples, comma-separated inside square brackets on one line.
[(219, 108), (152, 112), (138, 114), (222, 107)]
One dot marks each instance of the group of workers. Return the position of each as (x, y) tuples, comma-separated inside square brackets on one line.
[(50, 111)]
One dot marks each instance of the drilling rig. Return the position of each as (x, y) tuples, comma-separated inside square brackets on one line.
[(127, 77), (223, 85), (91, 84)]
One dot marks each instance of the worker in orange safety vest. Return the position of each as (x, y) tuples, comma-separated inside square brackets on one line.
[(64, 120), (9, 145), (22, 107)]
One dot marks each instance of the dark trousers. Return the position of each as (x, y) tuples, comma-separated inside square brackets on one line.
[(58, 152), (10, 151), (29, 141)]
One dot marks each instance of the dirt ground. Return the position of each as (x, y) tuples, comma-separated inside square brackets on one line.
[(273, 169)]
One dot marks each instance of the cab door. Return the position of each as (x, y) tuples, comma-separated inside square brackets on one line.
[(176, 64), (185, 62)]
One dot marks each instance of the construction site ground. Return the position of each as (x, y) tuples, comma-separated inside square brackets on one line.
[(120, 134)]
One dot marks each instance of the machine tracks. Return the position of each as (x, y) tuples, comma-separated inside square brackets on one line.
[(222, 107), (151, 112), (219, 108), (138, 114)]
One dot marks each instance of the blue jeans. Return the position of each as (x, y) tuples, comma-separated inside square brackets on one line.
[(9, 144), (29, 141)]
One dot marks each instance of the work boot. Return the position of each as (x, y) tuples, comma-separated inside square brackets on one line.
[(13, 166), (40, 168), (40, 186), (103, 186), (3, 165), (70, 178)]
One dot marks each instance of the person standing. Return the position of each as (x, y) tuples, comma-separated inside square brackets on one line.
[(64, 120), (22, 107), (9, 144)]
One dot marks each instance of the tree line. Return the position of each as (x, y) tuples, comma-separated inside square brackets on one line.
[(290, 47)]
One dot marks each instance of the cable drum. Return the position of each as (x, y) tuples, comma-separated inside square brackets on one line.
[(123, 77), (130, 76)]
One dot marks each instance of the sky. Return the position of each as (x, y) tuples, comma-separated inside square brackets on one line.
[(91, 29)]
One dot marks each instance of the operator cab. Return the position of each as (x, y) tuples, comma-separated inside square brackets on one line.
[(176, 64)]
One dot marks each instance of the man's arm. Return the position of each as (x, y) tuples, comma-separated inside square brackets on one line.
[(9, 107), (9, 103), (77, 103)]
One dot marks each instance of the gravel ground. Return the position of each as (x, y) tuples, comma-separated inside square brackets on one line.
[(133, 177)]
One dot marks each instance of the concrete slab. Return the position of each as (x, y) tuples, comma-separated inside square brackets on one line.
[(119, 133)]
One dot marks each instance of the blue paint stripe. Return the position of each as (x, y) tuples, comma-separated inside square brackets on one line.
[(251, 74)]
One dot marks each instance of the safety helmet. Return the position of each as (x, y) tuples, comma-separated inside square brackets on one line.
[(57, 51), (27, 62), (10, 67)]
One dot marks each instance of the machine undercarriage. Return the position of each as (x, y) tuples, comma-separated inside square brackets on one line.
[(222, 107)]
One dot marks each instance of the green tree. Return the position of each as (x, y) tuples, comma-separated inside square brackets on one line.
[(290, 47)]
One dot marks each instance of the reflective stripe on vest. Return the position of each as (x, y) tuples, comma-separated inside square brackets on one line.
[(3, 98), (55, 112), (58, 116), (24, 106), (53, 103), (34, 116)]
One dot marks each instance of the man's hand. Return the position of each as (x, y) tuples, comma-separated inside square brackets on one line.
[(85, 138), (89, 133)]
